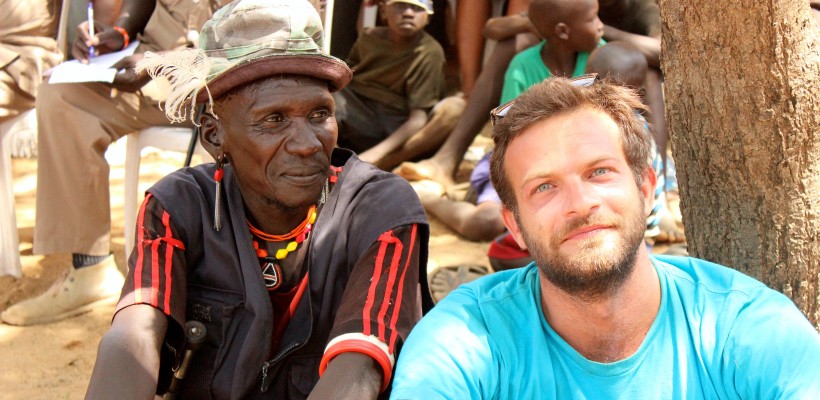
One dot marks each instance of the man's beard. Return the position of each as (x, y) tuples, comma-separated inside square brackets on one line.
[(598, 268)]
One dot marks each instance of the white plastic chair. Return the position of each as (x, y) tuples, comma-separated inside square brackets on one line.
[(9, 241), (160, 137)]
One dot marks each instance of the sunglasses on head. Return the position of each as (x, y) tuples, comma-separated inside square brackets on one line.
[(501, 111)]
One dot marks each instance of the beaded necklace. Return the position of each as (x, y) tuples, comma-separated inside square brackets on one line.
[(271, 268)]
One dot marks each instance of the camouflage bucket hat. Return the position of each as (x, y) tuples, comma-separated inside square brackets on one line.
[(245, 41)]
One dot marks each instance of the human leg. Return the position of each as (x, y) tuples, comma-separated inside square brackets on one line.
[(477, 223), (654, 99), (442, 121), (363, 123), (443, 165), (13, 102), (517, 6), (470, 18), (77, 122)]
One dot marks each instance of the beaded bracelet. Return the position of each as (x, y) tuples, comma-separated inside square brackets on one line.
[(124, 33)]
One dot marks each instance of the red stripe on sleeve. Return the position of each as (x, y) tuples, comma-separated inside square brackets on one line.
[(394, 320), (391, 280), (140, 252), (374, 282), (169, 261), (155, 272)]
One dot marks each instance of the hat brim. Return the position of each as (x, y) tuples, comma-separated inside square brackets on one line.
[(331, 69)]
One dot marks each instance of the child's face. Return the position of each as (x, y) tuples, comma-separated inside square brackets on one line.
[(404, 20), (585, 29)]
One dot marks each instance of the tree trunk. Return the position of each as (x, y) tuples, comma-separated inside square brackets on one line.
[(743, 109)]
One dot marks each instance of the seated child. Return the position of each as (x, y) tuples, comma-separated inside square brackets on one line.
[(398, 78), (569, 29)]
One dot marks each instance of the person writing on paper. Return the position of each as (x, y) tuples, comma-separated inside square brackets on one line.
[(77, 122)]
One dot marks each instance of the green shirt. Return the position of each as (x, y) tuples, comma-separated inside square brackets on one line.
[(527, 68)]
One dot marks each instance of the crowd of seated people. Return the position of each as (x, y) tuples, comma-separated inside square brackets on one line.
[(309, 233)]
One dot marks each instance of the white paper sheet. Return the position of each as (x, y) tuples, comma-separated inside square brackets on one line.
[(97, 70)]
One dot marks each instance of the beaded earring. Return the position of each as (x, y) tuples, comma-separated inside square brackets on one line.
[(218, 175)]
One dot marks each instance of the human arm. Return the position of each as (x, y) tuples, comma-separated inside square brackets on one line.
[(515, 77), (128, 79), (128, 355), (133, 17), (500, 28), (151, 307), (380, 305), (415, 121), (649, 46), (349, 376), (772, 351)]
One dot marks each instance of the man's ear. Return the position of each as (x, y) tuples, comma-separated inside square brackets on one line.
[(211, 135), (562, 31), (512, 226), (650, 180)]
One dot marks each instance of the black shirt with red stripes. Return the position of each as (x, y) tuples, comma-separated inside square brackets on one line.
[(361, 292)]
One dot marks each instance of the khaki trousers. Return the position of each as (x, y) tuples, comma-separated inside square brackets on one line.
[(13, 100), (77, 122)]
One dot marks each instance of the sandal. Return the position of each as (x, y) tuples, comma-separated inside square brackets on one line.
[(445, 279)]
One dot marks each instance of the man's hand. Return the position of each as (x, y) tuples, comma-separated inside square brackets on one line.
[(106, 40), (128, 80)]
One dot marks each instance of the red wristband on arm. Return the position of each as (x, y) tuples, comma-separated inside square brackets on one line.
[(125, 38), (360, 344)]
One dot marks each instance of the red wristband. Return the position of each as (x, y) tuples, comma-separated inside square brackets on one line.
[(363, 347), (125, 38)]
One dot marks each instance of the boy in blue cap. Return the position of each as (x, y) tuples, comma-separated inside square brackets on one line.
[(399, 77)]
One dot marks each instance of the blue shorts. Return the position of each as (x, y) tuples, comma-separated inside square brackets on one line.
[(480, 181)]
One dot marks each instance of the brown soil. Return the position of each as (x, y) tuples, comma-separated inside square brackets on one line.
[(54, 361)]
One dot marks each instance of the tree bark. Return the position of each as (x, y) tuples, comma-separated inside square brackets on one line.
[(743, 109)]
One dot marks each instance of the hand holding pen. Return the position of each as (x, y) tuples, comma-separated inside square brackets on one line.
[(95, 38), (90, 29)]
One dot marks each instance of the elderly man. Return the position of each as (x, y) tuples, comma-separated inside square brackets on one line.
[(596, 316), (300, 260)]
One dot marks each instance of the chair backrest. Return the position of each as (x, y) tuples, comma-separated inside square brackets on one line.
[(71, 15), (161, 137), (9, 253)]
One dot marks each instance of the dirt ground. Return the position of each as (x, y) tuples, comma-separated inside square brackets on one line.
[(54, 361)]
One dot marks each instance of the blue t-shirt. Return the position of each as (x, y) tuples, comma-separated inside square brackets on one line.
[(718, 334)]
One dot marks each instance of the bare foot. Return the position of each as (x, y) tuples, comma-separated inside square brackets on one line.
[(428, 191), (425, 169)]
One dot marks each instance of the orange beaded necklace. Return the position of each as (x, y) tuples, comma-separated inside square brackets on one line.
[(279, 238), (271, 270), (300, 233)]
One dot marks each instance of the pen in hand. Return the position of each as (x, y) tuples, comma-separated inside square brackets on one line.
[(90, 29)]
